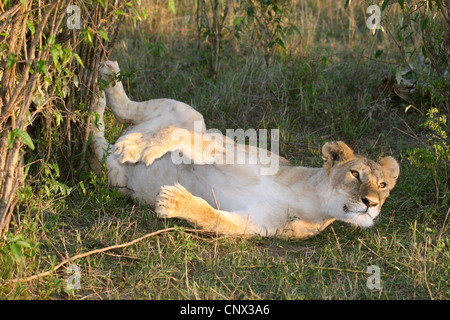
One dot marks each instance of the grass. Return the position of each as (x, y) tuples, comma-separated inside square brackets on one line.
[(321, 89)]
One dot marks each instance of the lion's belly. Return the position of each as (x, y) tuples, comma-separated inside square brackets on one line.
[(223, 187)]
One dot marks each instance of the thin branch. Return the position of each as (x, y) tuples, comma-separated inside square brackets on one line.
[(8, 108), (89, 253), (447, 18), (10, 12)]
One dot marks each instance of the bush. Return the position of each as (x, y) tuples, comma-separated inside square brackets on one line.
[(49, 57)]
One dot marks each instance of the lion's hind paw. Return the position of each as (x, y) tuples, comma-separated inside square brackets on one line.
[(171, 200)]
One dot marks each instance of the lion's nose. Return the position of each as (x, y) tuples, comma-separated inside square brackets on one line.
[(369, 203)]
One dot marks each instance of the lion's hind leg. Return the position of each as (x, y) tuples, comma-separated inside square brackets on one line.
[(176, 202), (99, 149)]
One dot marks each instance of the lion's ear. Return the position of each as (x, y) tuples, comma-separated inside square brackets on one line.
[(333, 152), (391, 170)]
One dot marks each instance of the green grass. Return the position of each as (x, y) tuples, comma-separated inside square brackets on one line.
[(321, 92)]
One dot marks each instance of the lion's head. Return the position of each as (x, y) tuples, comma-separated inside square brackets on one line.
[(360, 186)]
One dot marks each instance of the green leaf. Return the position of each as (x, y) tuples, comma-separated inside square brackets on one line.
[(119, 13), (237, 20), (30, 27), (281, 43), (172, 6), (51, 40), (89, 37), (23, 244), (347, 2), (295, 28), (55, 56), (378, 53), (385, 4), (80, 62), (144, 14), (40, 66), (38, 100), (58, 118), (24, 137), (424, 52), (96, 118), (17, 253), (10, 139), (11, 61), (103, 34), (83, 188), (75, 80), (424, 23)]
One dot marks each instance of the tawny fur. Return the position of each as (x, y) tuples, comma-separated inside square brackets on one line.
[(232, 199)]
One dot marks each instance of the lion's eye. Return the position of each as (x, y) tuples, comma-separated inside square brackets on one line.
[(382, 185), (355, 173)]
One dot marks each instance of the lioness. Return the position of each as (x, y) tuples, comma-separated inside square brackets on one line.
[(232, 199)]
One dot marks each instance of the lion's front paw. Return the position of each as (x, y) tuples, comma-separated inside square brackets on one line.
[(171, 200), (129, 148), (151, 153), (130, 154), (135, 147)]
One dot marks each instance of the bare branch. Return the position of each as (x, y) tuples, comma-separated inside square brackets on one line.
[(90, 253)]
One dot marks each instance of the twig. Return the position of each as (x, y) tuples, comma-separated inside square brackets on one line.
[(388, 262), (406, 133), (117, 246), (334, 269), (82, 255), (443, 12)]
